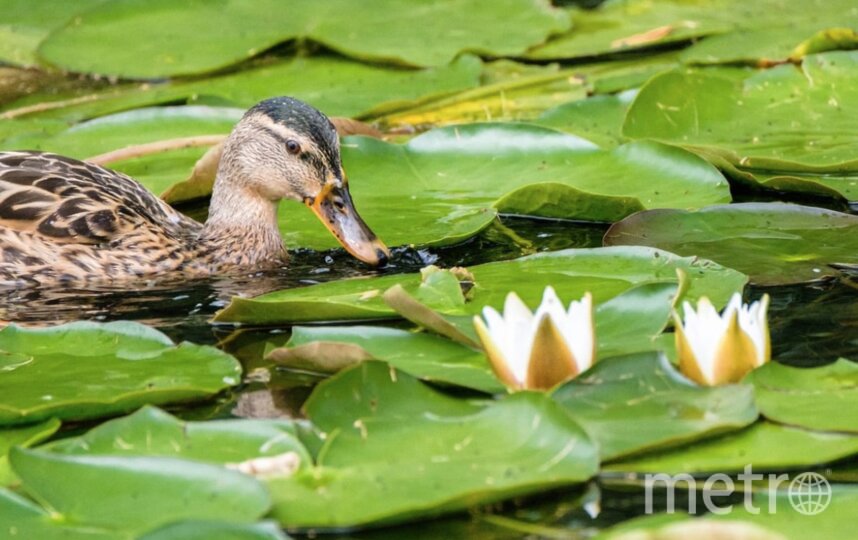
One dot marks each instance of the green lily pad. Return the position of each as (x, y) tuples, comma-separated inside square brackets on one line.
[(109, 491), (621, 26), (598, 118), (640, 402), (773, 243), (337, 86), (154, 433), (427, 356), (217, 530), (788, 32), (460, 453), (763, 445), (450, 179), (604, 272), (20, 517), (164, 38), (25, 24), (770, 517), (815, 398), (87, 370), (793, 120), (24, 436)]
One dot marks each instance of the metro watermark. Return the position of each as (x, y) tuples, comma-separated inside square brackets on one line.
[(808, 493)]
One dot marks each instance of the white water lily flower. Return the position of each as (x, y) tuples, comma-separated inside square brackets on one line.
[(719, 349), (538, 350)]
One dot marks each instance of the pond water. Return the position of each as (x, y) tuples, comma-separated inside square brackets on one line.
[(822, 329)]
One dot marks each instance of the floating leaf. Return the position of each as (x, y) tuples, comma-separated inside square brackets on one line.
[(60, 371), (793, 120), (174, 36), (118, 487), (640, 402), (604, 272), (152, 432), (598, 118), (22, 518), (763, 446), (337, 86), (821, 398), (24, 436), (217, 530), (25, 24), (467, 453), (774, 243), (638, 24), (421, 355)]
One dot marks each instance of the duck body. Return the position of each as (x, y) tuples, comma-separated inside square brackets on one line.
[(64, 220)]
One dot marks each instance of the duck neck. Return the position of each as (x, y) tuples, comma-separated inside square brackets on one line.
[(242, 228)]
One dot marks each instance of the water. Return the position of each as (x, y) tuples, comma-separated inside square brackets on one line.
[(811, 324)]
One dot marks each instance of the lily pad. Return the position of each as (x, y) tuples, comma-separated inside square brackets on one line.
[(60, 371), (820, 398), (164, 38), (621, 26), (604, 272), (24, 436), (22, 518), (763, 445), (116, 488), (25, 24), (427, 356), (788, 32), (217, 530), (598, 118), (337, 86), (793, 120), (460, 453), (640, 402), (774, 243), (154, 433)]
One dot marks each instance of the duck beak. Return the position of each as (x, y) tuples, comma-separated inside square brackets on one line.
[(334, 206)]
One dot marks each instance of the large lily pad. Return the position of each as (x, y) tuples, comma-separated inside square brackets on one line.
[(763, 445), (22, 518), (787, 31), (639, 402), (599, 118), (604, 272), (61, 371), (164, 38), (109, 491), (620, 26), (822, 398), (24, 436), (25, 24), (792, 119), (459, 453), (773, 243), (152, 432), (337, 86)]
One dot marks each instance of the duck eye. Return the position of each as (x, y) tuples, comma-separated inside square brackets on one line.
[(293, 147)]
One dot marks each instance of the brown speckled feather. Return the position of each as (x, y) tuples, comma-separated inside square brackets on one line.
[(66, 220)]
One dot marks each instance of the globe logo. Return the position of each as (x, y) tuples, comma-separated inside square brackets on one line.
[(809, 493)]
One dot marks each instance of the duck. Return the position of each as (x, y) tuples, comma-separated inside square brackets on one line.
[(63, 220)]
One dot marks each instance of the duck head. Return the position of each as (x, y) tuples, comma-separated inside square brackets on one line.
[(285, 149)]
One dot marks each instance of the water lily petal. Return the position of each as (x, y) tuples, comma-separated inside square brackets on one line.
[(689, 365), (495, 354), (736, 354), (580, 333), (551, 361)]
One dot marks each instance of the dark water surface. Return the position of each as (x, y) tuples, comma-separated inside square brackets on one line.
[(811, 324)]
